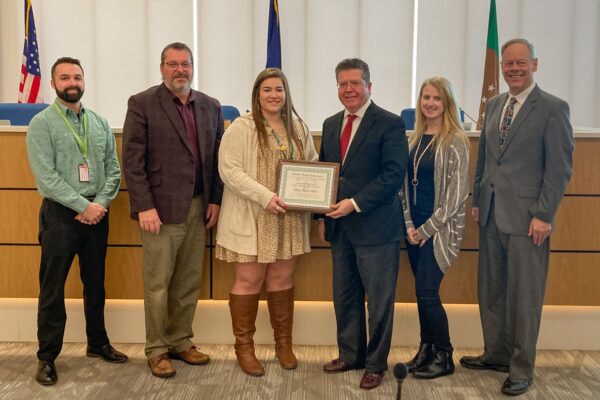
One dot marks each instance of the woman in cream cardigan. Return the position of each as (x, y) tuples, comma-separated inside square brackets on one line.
[(255, 231), (433, 199)]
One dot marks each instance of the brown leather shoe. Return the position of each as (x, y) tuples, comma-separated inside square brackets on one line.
[(161, 366), (370, 380), (338, 365), (192, 356)]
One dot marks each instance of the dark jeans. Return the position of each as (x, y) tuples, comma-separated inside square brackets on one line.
[(428, 278), (61, 238)]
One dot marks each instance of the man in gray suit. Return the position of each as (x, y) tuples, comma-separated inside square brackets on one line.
[(523, 168)]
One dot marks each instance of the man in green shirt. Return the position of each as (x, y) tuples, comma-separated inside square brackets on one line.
[(72, 154)]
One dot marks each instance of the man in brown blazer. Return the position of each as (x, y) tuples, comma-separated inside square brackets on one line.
[(171, 140)]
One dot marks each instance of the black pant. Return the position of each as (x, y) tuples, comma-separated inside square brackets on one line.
[(360, 270), (428, 278), (61, 238)]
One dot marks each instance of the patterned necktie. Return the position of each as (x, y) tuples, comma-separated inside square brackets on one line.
[(507, 121), (346, 133)]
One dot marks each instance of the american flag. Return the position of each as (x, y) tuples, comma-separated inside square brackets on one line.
[(31, 76)]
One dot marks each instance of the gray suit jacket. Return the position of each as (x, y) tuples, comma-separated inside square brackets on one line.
[(529, 176)]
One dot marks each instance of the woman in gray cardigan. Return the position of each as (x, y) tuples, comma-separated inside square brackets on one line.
[(433, 199)]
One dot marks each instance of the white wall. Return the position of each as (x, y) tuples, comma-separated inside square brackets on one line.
[(119, 44), (11, 49)]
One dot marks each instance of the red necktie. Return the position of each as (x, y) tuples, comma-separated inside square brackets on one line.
[(346, 133)]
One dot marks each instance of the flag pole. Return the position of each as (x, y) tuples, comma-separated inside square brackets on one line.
[(491, 70)]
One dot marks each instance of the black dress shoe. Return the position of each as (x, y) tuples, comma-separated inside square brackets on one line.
[(46, 373), (107, 352), (442, 365), (339, 365), (515, 388), (479, 363), (423, 357)]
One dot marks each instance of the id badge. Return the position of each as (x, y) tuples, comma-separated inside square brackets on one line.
[(84, 172)]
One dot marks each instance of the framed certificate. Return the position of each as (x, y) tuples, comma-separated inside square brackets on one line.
[(308, 185)]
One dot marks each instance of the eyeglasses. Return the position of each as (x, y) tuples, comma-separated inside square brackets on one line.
[(174, 65), (352, 84)]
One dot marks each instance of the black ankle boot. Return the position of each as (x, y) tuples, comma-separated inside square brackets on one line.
[(441, 365), (423, 357)]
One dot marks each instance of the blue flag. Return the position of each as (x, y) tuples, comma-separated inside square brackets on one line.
[(274, 37)]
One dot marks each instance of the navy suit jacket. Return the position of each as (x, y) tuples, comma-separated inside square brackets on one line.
[(372, 175)]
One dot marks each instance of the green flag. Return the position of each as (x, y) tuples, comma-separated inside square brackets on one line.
[(491, 70)]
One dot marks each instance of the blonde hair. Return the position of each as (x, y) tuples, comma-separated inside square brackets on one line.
[(451, 126), (287, 112)]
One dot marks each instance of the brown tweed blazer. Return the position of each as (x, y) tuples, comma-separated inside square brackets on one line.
[(158, 163)]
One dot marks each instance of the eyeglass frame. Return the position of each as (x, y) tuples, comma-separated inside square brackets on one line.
[(352, 84), (173, 65)]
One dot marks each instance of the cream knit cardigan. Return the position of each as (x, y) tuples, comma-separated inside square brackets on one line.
[(243, 196)]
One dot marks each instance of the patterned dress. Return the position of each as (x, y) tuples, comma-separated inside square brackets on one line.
[(280, 236)]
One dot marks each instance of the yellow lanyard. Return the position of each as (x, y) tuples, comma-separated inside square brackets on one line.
[(82, 143)]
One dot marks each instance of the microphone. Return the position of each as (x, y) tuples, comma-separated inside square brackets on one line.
[(471, 118), (400, 373)]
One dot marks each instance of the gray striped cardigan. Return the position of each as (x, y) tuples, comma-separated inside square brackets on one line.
[(446, 224)]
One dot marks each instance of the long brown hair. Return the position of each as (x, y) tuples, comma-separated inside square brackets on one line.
[(287, 112), (451, 125)]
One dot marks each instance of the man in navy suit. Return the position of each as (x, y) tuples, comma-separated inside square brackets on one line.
[(366, 224)]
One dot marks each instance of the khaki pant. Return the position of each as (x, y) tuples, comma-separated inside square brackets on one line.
[(173, 262)]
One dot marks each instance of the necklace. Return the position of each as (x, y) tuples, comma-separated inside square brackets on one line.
[(416, 162), (282, 148)]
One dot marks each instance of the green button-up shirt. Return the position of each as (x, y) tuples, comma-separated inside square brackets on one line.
[(54, 157)]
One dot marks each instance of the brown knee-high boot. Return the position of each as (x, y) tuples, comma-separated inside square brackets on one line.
[(243, 320), (281, 311)]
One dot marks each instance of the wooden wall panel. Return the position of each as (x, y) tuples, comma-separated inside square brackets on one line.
[(574, 263), (573, 279), (123, 229), (312, 278), (577, 224), (14, 166), (19, 213), (586, 167), (471, 231), (19, 269), (586, 164), (474, 143), (223, 276), (124, 274)]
